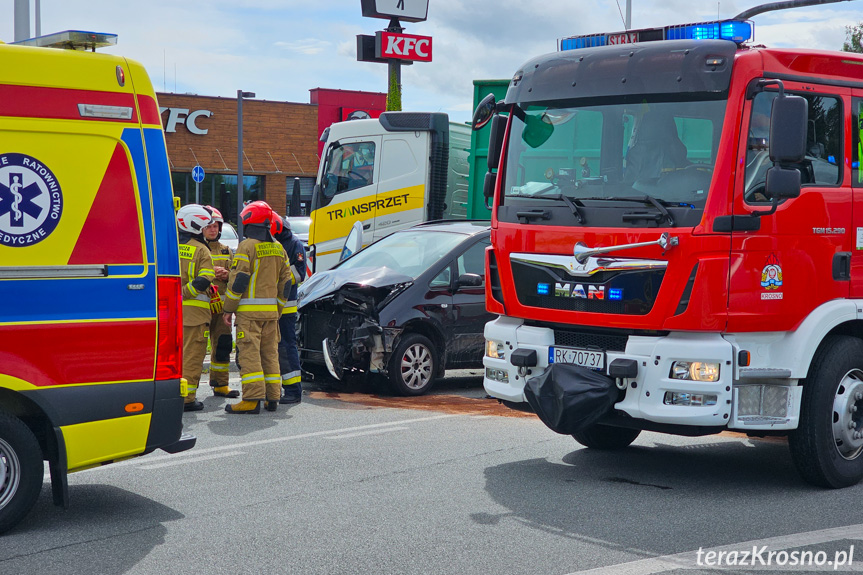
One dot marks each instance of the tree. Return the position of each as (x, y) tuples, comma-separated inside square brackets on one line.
[(854, 38), (394, 96)]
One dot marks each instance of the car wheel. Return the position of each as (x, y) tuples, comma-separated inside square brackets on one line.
[(21, 471), (606, 437), (413, 365), (827, 446)]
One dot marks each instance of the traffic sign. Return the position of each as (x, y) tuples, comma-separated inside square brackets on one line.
[(198, 174)]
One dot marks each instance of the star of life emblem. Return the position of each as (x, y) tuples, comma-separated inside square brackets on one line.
[(31, 201)]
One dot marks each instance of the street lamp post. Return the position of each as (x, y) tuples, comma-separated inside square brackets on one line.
[(240, 96)]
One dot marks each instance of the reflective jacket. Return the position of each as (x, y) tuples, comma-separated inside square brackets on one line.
[(222, 257), (195, 262), (258, 278), (297, 260)]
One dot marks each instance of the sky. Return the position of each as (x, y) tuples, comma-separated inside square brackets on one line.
[(280, 49)]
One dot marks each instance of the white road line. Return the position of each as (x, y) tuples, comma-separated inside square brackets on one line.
[(688, 560), (194, 452), (185, 460), (364, 433)]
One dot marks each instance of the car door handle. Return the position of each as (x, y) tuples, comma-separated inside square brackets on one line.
[(366, 226), (842, 266)]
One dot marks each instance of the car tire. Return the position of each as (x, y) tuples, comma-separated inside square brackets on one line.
[(413, 365), (606, 437), (21, 471), (823, 447)]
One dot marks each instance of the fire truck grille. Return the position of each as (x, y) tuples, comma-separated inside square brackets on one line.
[(607, 342)]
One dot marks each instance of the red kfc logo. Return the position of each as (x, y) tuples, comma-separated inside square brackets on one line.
[(405, 46)]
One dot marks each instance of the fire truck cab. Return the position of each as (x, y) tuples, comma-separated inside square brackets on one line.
[(677, 242)]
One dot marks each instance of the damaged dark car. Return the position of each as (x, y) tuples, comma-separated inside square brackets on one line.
[(407, 307)]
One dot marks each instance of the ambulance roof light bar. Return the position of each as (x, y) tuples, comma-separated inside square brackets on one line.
[(72, 40), (738, 31)]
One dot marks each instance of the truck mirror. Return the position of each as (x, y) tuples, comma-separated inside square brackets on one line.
[(788, 120), (488, 187), (484, 112), (495, 141), (782, 183)]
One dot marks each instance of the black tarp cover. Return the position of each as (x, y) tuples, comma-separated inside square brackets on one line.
[(569, 398)]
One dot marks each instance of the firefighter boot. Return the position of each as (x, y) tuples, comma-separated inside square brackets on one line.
[(292, 394), (245, 406), (271, 405), (225, 391), (193, 405)]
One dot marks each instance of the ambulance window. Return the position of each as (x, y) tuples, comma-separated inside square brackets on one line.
[(857, 143), (349, 166), (822, 164)]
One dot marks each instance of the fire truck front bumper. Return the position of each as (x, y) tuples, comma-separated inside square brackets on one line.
[(680, 378)]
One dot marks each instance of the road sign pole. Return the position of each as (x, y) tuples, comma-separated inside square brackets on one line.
[(197, 192)]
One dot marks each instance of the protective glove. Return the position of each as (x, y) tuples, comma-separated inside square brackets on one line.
[(215, 299)]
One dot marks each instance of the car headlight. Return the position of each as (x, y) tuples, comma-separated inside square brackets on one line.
[(494, 349), (695, 371)]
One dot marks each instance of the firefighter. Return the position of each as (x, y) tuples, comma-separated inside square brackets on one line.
[(196, 272), (219, 334), (259, 274), (289, 356)]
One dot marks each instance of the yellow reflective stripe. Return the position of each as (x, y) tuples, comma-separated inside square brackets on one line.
[(282, 302), (203, 297), (232, 295), (294, 275), (220, 367), (289, 309), (270, 377), (196, 303), (271, 307), (254, 280), (192, 289), (191, 387), (218, 258), (291, 381), (253, 377), (207, 272), (242, 257)]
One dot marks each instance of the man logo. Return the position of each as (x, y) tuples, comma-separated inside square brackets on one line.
[(578, 291), (31, 201)]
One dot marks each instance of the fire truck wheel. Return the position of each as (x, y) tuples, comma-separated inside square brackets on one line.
[(606, 437), (21, 471), (827, 446), (413, 365)]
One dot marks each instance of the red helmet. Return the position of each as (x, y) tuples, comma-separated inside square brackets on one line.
[(217, 215), (276, 225), (258, 212)]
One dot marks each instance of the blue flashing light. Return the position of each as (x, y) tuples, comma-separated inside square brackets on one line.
[(543, 289), (615, 294), (738, 31), (831, 159)]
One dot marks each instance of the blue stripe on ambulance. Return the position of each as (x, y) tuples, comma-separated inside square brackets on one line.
[(168, 261), (133, 140), (80, 298)]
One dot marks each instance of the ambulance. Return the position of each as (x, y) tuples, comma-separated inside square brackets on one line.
[(91, 325)]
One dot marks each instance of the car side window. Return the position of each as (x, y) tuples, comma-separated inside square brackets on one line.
[(473, 260), (443, 279), (348, 167), (821, 165), (857, 149)]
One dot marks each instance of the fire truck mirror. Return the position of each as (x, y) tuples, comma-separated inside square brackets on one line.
[(488, 188), (782, 183), (495, 141), (788, 121), (483, 112)]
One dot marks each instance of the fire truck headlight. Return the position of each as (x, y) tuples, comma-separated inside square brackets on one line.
[(695, 371), (494, 349)]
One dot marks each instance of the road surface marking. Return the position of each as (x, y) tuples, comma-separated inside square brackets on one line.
[(370, 432), (185, 460)]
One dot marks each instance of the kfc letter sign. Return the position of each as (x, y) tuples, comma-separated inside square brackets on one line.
[(405, 46)]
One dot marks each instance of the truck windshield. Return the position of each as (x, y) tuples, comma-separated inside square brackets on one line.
[(598, 154)]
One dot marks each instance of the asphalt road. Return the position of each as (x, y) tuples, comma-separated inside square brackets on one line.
[(350, 482)]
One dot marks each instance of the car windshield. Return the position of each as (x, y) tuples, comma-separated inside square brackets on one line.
[(300, 226), (666, 150), (228, 232), (410, 252)]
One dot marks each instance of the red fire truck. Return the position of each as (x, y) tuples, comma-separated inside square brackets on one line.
[(677, 242)]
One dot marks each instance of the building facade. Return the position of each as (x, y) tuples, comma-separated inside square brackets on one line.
[(280, 144)]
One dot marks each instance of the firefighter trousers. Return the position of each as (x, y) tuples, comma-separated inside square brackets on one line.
[(221, 344), (289, 356), (258, 351), (194, 350)]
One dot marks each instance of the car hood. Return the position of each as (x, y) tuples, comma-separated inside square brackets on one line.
[(327, 282)]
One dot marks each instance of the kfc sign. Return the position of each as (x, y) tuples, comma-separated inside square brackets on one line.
[(404, 46)]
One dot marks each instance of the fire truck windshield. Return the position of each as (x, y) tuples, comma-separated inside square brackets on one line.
[(598, 154)]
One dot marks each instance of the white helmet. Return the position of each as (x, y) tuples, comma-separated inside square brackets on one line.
[(193, 218)]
